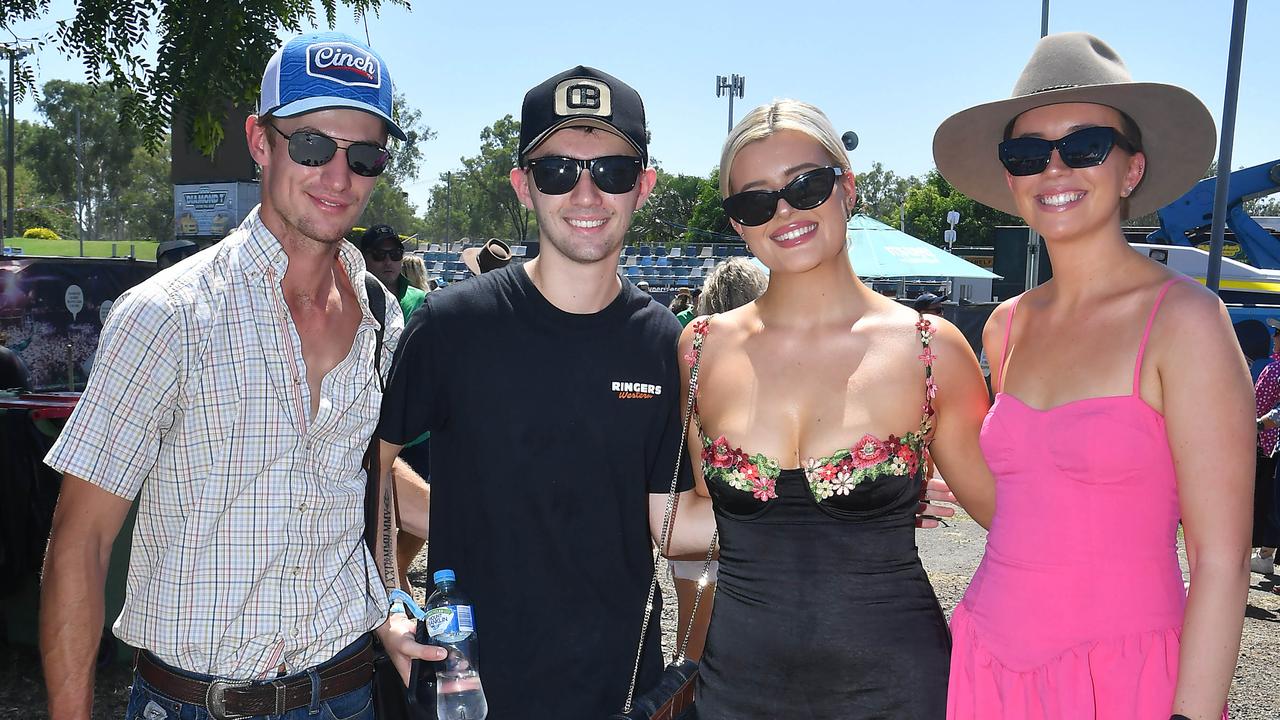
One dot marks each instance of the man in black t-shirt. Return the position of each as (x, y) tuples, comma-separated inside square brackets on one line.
[(551, 390)]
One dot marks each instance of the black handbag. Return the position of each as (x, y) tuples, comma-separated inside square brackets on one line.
[(673, 697)]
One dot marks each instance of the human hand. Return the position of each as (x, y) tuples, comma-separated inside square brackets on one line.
[(928, 514), (397, 636)]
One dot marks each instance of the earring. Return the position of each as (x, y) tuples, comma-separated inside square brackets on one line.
[(1127, 192)]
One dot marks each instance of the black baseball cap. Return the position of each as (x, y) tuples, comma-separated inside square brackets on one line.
[(377, 235), (582, 97)]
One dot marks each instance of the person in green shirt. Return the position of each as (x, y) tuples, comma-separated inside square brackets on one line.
[(383, 254)]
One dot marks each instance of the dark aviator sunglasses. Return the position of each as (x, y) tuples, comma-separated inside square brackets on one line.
[(313, 149), (613, 174), (1081, 149), (806, 191)]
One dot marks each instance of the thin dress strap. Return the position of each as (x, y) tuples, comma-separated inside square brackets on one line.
[(693, 359), (1146, 334), (927, 332), (1004, 351)]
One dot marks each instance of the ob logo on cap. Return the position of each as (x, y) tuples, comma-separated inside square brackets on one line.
[(582, 97), (323, 71)]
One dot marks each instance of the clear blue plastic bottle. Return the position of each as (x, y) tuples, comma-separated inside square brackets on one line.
[(451, 625)]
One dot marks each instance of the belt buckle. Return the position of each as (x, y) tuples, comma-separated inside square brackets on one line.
[(215, 699)]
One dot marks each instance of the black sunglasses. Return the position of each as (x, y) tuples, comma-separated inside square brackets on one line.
[(380, 254), (806, 191), (614, 174), (313, 149), (1081, 149)]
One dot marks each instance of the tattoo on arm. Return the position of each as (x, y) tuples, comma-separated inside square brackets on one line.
[(389, 575)]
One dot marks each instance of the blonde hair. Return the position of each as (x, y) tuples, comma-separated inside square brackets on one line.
[(733, 283), (415, 271), (772, 118)]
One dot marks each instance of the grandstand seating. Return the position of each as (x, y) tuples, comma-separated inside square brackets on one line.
[(677, 266)]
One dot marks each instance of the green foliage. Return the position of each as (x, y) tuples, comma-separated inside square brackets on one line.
[(669, 206), (389, 202), (882, 193), (145, 206), (1263, 207), (477, 201), (121, 181), (39, 233), (208, 53), (927, 205), (708, 219)]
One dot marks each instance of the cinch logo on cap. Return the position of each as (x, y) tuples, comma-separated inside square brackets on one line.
[(583, 96), (344, 63)]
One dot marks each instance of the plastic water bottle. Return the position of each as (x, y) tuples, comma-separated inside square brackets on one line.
[(451, 625)]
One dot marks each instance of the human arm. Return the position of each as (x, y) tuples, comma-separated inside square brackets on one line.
[(397, 633), (106, 451), (413, 497), (85, 524), (1208, 407), (961, 405), (693, 523)]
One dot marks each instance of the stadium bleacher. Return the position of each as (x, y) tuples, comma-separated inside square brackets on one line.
[(674, 267)]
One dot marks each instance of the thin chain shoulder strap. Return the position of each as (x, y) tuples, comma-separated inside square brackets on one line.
[(695, 360)]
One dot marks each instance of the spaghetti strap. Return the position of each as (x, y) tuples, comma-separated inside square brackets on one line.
[(927, 331), (1146, 334), (693, 359), (1004, 351)]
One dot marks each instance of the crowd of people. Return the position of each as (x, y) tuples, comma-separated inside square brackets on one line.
[(237, 394)]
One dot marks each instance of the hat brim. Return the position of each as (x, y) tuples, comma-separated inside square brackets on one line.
[(315, 104), (580, 121), (1178, 137), (470, 258)]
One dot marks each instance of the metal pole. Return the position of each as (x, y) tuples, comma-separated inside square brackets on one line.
[(13, 70), (79, 187), (1213, 276), (730, 128), (448, 208), (1044, 18)]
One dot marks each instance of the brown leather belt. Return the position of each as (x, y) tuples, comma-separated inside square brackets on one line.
[(230, 699)]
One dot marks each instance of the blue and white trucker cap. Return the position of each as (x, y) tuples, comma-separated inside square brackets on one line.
[(321, 71)]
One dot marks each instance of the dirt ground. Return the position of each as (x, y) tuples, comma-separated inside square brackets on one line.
[(950, 555)]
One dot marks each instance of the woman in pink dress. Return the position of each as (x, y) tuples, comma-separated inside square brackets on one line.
[(1123, 406)]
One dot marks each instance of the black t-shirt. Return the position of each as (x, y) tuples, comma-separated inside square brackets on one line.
[(549, 430)]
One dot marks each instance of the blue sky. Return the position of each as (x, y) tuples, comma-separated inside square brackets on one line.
[(890, 71)]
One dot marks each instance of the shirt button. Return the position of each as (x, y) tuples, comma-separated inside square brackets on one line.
[(294, 632), (296, 572), (302, 508)]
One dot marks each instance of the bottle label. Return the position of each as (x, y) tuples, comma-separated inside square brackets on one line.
[(450, 623)]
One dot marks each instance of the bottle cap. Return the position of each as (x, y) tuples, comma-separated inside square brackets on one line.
[(443, 576)]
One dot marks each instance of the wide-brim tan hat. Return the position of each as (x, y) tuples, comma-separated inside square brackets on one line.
[(1178, 133), (490, 256)]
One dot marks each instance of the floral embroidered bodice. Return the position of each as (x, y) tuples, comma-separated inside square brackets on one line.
[(834, 476)]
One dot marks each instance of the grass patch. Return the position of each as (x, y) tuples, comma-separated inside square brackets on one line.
[(143, 249)]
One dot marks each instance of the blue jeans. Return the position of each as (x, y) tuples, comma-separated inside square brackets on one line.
[(146, 703)]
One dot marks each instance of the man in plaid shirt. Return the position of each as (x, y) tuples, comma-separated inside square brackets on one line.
[(237, 392)]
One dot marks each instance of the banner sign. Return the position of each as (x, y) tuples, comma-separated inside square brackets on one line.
[(52, 311), (211, 210)]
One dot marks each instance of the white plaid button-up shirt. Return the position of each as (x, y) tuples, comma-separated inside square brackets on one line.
[(247, 550)]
